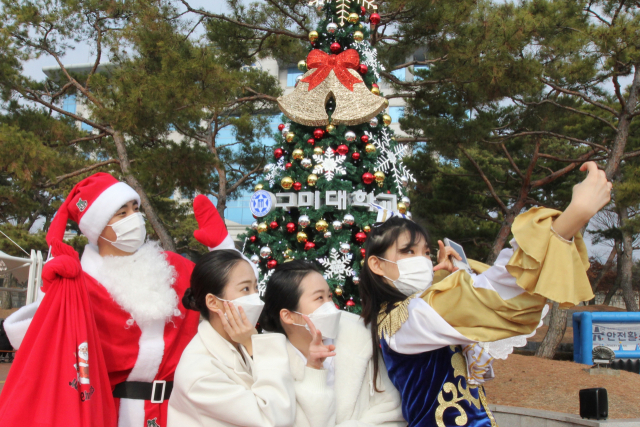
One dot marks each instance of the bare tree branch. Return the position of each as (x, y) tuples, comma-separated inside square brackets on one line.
[(503, 207), (61, 178)]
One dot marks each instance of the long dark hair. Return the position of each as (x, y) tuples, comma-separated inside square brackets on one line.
[(374, 291), (210, 276), (283, 291)]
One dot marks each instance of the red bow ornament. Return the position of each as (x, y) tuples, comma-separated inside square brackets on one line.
[(324, 63)]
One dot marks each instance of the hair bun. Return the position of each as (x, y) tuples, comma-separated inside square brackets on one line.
[(189, 300)]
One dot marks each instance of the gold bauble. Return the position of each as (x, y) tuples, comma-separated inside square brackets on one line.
[(361, 263), (353, 18), (379, 176), (313, 36), (286, 182), (330, 128), (312, 179), (386, 102), (262, 227), (386, 119), (289, 137), (375, 91), (338, 290), (301, 236), (358, 36), (258, 187), (297, 154), (318, 151), (360, 26), (288, 260), (322, 225), (288, 254), (302, 65), (367, 228), (402, 208), (370, 148)]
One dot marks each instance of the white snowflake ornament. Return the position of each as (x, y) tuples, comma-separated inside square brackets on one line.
[(273, 174), (337, 265), (390, 159), (329, 164)]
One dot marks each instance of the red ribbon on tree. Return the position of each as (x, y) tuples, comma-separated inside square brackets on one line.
[(324, 63)]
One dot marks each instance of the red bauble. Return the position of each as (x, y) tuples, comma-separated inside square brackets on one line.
[(363, 252), (363, 69), (374, 18), (288, 165), (375, 85), (272, 264), (363, 10), (364, 139), (335, 47), (252, 239), (318, 133), (388, 192), (274, 225), (355, 156), (280, 127), (342, 150), (311, 141), (350, 303), (309, 245), (367, 177), (291, 227), (278, 152), (361, 237), (297, 186)]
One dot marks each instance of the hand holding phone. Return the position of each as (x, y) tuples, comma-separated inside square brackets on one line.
[(458, 257)]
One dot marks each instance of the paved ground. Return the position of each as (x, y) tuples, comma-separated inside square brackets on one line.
[(553, 385)]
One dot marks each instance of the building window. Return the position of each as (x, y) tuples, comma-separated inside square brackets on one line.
[(399, 74), (396, 113), (292, 73), (69, 104)]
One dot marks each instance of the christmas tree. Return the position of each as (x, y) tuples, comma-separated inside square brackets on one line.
[(336, 162)]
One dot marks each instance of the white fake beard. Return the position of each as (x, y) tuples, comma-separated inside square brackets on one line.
[(141, 283)]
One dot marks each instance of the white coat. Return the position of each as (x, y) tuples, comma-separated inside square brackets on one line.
[(216, 386), (352, 401)]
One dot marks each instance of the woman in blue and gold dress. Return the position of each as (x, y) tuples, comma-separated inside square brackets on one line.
[(437, 336)]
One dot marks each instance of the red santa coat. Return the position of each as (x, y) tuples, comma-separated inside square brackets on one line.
[(145, 353)]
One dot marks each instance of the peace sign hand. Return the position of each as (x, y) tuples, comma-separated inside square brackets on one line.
[(318, 352)]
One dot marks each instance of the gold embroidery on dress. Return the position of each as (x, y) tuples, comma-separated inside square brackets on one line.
[(485, 404), (390, 323)]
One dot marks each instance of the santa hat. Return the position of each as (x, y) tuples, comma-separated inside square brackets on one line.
[(91, 204)]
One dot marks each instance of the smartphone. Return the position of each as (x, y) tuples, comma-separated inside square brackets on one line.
[(463, 264)]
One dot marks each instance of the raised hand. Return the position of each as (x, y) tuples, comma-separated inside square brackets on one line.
[(211, 229), (236, 324), (588, 198), (318, 352), (444, 258)]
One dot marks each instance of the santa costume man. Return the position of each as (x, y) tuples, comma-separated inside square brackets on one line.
[(102, 346)]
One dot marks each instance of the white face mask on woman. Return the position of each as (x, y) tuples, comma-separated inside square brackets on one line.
[(416, 274), (251, 304), (130, 233), (326, 319)]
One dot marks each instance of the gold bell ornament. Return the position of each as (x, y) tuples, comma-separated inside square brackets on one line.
[(386, 119), (312, 179), (286, 182), (322, 225), (313, 36), (331, 76), (370, 148), (402, 208), (379, 177), (258, 187), (289, 137), (297, 154), (317, 151), (262, 227), (301, 236)]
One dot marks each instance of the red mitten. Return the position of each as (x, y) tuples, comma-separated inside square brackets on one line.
[(211, 229)]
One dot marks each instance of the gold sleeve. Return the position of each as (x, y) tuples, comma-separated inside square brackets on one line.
[(543, 265)]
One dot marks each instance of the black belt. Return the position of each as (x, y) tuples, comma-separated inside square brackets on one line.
[(156, 392)]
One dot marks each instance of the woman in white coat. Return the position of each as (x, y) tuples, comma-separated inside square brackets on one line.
[(330, 353), (229, 375)]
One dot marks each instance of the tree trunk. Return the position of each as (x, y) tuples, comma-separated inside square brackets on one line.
[(616, 285), (222, 191), (5, 300), (165, 238), (557, 328), (626, 116), (605, 269), (626, 261)]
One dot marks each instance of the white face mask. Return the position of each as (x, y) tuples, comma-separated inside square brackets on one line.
[(416, 274), (251, 304), (326, 319), (130, 233)]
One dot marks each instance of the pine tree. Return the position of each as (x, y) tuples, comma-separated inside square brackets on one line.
[(348, 167)]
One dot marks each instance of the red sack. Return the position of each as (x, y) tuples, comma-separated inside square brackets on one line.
[(59, 376)]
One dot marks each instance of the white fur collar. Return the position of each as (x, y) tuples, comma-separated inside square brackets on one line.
[(140, 283)]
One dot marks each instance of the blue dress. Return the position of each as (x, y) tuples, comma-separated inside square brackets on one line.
[(434, 389)]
